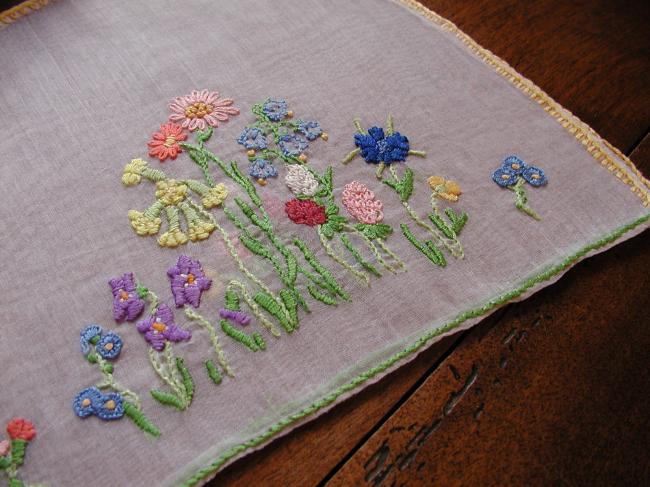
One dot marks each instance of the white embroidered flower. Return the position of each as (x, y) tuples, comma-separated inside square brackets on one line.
[(300, 181)]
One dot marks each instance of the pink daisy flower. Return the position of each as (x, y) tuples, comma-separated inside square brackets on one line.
[(164, 143), (200, 109)]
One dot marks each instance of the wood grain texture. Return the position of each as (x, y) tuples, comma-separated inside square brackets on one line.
[(569, 388)]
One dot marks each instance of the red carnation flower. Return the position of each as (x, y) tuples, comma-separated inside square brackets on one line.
[(305, 212), (164, 143), (21, 429)]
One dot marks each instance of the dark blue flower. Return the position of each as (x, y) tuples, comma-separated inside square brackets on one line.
[(292, 145), (534, 176), (87, 401), (87, 334), (505, 176), (253, 138), (262, 169), (376, 147), (514, 164), (110, 407), (311, 130), (110, 346), (276, 110)]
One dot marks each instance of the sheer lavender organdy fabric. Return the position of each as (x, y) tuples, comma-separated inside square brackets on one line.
[(83, 85)]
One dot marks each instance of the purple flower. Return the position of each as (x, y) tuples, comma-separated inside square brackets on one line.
[(159, 328), (188, 281), (127, 303)]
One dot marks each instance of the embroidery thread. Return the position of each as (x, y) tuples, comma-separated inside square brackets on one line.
[(514, 174), (12, 452), (386, 148), (101, 348), (201, 109)]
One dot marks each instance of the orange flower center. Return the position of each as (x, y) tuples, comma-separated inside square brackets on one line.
[(169, 141), (108, 346), (85, 403), (515, 166), (124, 295), (505, 176), (110, 405), (158, 326), (198, 110), (535, 176), (190, 278)]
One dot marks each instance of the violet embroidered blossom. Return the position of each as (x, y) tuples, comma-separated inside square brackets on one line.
[(159, 328), (188, 281), (127, 303)]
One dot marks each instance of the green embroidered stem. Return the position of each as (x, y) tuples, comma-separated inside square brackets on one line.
[(451, 241), (357, 255), (352, 154), (140, 420), (323, 298), (213, 372), (214, 339), (109, 381), (384, 247), (253, 307), (419, 153), (390, 128), (177, 399), (521, 199), (332, 284), (375, 251), (360, 275), (428, 248), (357, 125), (379, 173)]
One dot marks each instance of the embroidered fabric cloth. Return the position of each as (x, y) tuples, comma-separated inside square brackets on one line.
[(464, 188)]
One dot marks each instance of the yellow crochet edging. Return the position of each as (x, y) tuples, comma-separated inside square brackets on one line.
[(598, 147), (22, 9)]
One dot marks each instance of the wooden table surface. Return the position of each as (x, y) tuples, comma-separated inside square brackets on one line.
[(551, 391)]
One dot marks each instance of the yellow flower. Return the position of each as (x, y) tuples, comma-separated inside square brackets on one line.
[(142, 224), (215, 196), (444, 188), (199, 230), (170, 192), (133, 171), (172, 238)]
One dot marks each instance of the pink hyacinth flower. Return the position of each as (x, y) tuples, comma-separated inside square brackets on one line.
[(361, 203)]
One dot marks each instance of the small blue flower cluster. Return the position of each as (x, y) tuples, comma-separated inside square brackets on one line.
[(107, 345), (291, 137), (512, 168), (91, 401), (377, 148)]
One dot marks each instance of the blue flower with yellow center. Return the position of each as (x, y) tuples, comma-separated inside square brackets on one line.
[(109, 346), (253, 138), (311, 130), (292, 145), (276, 110)]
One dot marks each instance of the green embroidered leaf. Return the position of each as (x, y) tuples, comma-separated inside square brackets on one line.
[(273, 308), (289, 300), (407, 185), (204, 135), (259, 340), (374, 231), (140, 419), (255, 246), (188, 382), (458, 220), (442, 226), (238, 336), (435, 255), (358, 257), (232, 300), (5, 462), (332, 210), (327, 229), (327, 179), (213, 372), (323, 298), (15, 483), (167, 399), (428, 248)]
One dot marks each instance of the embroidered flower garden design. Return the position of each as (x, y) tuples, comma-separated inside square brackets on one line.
[(252, 307)]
